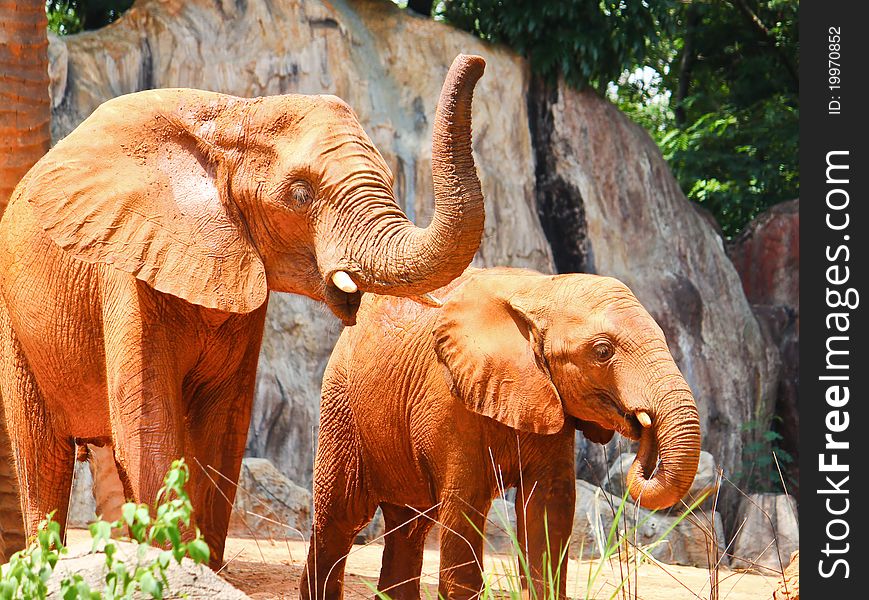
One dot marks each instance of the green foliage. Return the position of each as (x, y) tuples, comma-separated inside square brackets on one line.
[(588, 43), (724, 106), (759, 472), (66, 17), (738, 164), (26, 574), (715, 83)]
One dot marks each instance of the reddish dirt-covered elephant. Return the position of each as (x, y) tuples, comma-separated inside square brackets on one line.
[(431, 410), (137, 257)]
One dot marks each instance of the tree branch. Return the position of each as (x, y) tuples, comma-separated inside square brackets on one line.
[(764, 33), (686, 64)]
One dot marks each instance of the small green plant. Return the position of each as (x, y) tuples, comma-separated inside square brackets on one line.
[(27, 573), (759, 473)]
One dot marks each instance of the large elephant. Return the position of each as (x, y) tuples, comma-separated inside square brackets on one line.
[(431, 411), (137, 257)]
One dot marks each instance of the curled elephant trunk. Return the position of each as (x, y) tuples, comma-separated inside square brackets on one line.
[(669, 452), (409, 260)]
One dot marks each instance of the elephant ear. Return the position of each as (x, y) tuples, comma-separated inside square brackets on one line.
[(493, 351), (135, 187), (594, 432)]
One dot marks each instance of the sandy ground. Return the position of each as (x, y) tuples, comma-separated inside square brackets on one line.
[(267, 570)]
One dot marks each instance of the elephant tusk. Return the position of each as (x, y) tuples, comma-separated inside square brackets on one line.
[(343, 282), (644, 419), (427, 300)]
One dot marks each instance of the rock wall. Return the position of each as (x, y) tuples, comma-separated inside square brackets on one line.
[(389, 67)]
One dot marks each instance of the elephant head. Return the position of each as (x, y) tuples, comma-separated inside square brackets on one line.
[(527, 349), (218, 199)]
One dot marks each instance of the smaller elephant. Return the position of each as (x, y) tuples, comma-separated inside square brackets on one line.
[(428, 413)]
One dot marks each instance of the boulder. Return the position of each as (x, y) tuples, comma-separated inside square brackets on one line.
[(592, 521), (373, 533), (96, 487), (768, 532), (665, 537), (268, 505), (689, 542), (705, 481), (186, 580), (389, 67), (501, 527), (767, 256)]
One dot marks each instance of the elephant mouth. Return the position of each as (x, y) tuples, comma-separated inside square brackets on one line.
[(343, 305), (630, 427), (618, 419)]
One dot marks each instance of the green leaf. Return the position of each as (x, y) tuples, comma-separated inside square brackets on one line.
[(179, 552), (174, 536), (198, 550), (150, 585), (7, 588), (128, 511)]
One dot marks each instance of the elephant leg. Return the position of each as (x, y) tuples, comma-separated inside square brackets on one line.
[(145, 406), (218, 418), (541, 509), (336, 523), (402, 552), (11, 523), (462, 518), (152, 341), (44, 458), (222, 413), (342, 505), (147, 444)]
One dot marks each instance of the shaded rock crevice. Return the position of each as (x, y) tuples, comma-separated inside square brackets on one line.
[(560, 206)]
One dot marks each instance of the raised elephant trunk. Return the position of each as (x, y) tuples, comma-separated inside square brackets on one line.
[(410, 260), (669, 450)]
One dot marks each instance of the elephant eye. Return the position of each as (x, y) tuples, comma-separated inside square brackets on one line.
[(603, 351), (301, 193)]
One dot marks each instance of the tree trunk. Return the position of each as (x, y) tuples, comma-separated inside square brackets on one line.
[(25, 135), (686, 63), (25, 108)]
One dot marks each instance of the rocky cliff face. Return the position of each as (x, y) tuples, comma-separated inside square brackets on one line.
[(596, 182)]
